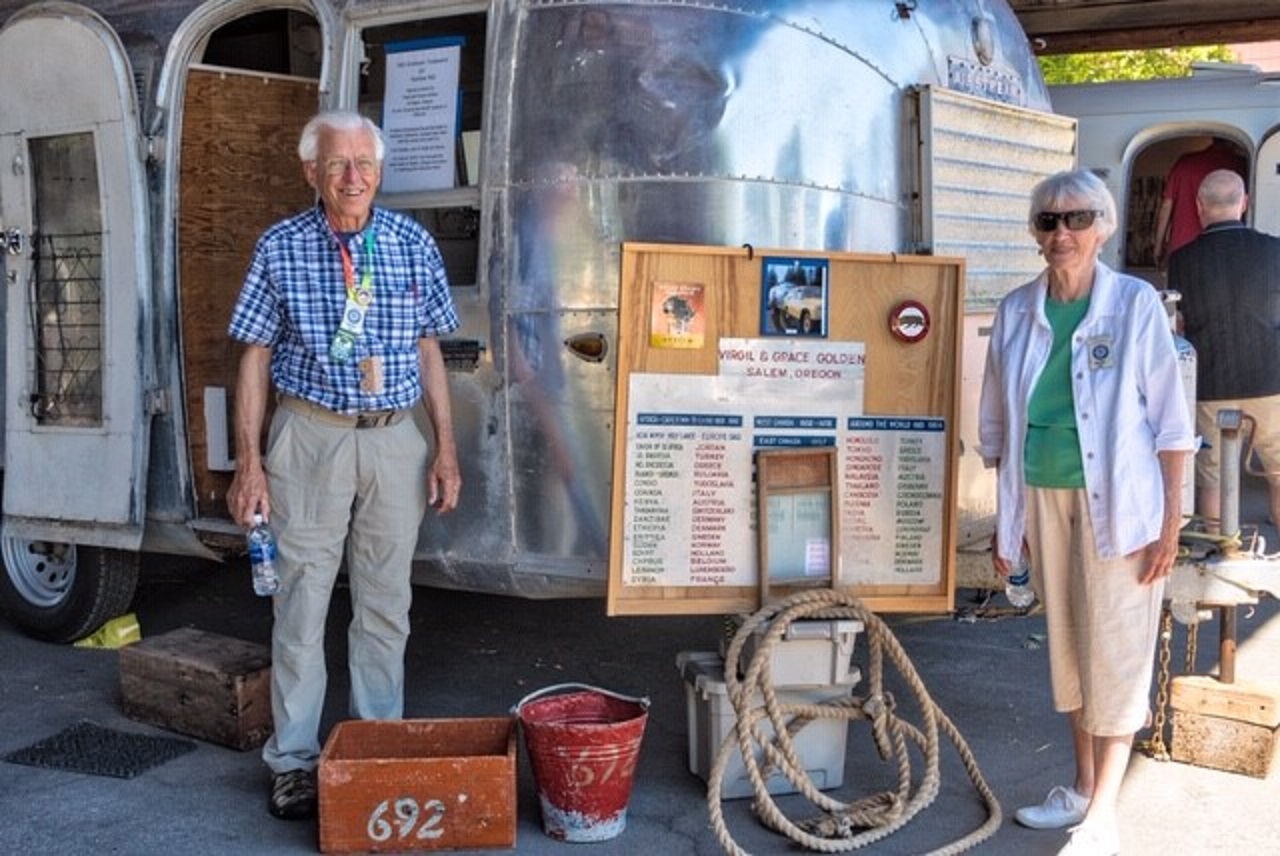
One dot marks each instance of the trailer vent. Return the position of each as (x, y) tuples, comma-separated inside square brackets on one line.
[(461, 354), (979, 160)]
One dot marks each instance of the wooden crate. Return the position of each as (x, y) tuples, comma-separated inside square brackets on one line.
[(418, 784), (203, 684), (1231, 727)]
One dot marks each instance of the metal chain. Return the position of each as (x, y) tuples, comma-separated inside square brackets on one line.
[(1155, 745), (1193, 638)]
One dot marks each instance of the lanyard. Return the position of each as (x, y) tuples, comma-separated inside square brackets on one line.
[(363, 293), (359, 298)]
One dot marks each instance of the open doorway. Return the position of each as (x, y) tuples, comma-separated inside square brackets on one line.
[(1148, 174), (254, 86)]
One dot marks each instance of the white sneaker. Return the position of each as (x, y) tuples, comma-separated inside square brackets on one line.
[(1062, 808), (1093, 839)]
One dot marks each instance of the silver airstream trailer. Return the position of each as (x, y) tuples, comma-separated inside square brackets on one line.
[(144, 146)]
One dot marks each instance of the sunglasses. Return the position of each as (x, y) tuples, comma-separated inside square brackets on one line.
[(1047, 221)]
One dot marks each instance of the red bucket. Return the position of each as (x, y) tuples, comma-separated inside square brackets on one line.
[(583, 747)]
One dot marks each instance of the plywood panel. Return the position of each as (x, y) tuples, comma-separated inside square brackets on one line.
[(916, 379), (239, 174)]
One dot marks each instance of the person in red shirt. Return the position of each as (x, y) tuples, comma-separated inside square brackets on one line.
[(1177, 222)]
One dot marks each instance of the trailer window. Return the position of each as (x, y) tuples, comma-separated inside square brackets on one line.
[(433, 129), (66, 298)]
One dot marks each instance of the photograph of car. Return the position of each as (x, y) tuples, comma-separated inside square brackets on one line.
[(803, 307), (794, 297)]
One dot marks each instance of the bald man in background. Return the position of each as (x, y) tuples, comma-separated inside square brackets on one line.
[(1229, 278)]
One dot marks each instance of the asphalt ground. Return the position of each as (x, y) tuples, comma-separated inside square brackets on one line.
[(478, 655)]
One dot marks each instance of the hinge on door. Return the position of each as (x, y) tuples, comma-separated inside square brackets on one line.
[(156, 401)]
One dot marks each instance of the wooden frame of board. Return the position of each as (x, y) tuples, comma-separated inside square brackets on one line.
[(905, 312)]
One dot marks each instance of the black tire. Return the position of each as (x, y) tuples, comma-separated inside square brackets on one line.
[(64, 592), (806, 322)]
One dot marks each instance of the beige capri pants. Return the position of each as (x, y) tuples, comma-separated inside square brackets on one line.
[(1102, 621)]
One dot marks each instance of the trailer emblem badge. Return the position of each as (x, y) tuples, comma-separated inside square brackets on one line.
[(909, 321)]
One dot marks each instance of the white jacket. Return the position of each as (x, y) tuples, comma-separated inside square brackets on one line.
[(1129, 403)]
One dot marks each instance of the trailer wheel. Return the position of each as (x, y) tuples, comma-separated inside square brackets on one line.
[(64, 592)]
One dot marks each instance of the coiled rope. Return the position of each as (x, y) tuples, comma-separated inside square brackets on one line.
[(879, 815)]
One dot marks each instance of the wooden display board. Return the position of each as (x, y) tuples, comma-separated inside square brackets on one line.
[(724, 352)]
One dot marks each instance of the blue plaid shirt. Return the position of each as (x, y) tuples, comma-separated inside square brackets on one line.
[(293, 296)]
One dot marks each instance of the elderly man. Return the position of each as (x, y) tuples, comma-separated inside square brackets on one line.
[(339, 311), (1229, 278)]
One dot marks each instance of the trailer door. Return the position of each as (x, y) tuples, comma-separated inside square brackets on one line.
[(1266, 192), (73, 212)]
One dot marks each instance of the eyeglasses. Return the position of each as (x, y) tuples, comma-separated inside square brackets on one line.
[(1047, 221), (339, 166)]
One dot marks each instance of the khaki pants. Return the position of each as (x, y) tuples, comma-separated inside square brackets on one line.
[(1102, 622), (1266, 436), (339, 490)]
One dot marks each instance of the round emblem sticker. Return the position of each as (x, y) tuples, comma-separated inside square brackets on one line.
[(909, 321)]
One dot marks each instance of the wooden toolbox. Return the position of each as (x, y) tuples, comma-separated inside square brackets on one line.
[(418, 784), (203, 684)]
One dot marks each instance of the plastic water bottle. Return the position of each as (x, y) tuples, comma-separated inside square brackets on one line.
[(1017, 586), (262, 557)]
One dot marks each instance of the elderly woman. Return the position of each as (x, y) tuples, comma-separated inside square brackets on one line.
[(1083, 413)]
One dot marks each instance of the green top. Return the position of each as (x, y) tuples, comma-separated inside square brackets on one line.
[(1052, 454)]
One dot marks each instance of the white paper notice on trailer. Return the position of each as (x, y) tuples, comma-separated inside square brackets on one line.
[(420, 116)]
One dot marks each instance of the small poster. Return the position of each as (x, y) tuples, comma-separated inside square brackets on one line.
[(420, 115), (678, 315), (794, 297)]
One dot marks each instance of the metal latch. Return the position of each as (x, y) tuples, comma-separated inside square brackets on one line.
[(13, 242)]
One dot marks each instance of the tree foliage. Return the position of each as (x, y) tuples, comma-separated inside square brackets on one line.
[(1128, 65)]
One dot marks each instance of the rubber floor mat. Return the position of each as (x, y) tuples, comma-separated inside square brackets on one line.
[(87, 747)]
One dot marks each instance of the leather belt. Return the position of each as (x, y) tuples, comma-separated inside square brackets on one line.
[(366, 419)]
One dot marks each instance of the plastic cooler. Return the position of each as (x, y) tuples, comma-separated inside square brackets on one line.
[(810, 653), (820, 744)]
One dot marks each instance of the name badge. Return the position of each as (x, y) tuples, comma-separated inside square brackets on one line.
[(1101, 352), (343, 347), (352, 317)]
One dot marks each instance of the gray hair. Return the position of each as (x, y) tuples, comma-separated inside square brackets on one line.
[(1222, 188), (338, 120), (1075, 186)]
